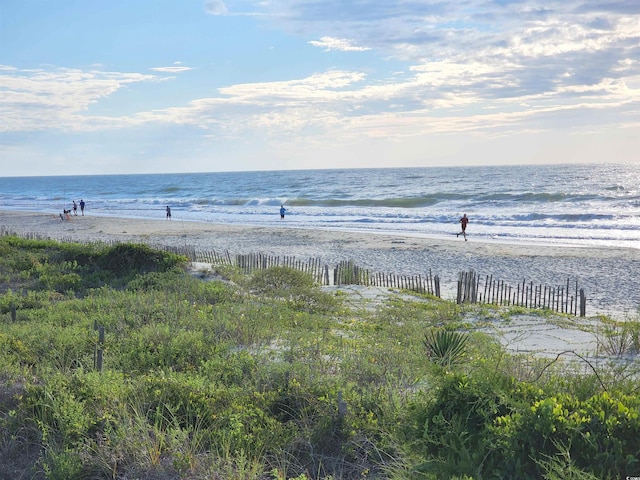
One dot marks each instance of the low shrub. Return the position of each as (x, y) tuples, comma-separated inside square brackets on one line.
[(498, 427), (296, 288), (619, 338)]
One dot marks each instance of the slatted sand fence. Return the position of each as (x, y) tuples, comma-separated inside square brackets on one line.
[(567, 298), (214, 258), (196, 255), (345, 273), (428, 283), (348, 273), (7, 232), (257, 261)]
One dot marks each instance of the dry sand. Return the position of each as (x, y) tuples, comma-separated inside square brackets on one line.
[(609, 276)]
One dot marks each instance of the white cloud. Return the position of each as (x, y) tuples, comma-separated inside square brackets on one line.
[(57, 99), (316, 86), (174, 69), (340, 44), (439, 97)]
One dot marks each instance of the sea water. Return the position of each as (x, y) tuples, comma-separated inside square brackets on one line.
[(595, 205)]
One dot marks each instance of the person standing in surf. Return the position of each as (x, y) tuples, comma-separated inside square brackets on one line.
[(282, 210), (463, 223)]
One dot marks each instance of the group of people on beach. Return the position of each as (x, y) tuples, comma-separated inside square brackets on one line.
[(75, 207), (66, 213)]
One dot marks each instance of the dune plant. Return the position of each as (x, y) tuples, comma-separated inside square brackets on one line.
[(562, 466), (296, 288), (619, 338), (445, 347), (71, 267)]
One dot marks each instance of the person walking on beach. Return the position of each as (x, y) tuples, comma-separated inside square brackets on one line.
[(282, 210), (75, 208), (82, 207), (168, 213), (463, 223)]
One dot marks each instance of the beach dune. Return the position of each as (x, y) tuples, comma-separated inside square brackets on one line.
[(608, 275)]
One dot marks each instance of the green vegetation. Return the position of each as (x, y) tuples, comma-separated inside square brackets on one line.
[(445, 347), (270, 377)]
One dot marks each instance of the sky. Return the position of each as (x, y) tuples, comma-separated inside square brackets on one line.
[(164, 86)]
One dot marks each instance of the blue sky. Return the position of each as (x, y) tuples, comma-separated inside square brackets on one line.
[(143, 86)]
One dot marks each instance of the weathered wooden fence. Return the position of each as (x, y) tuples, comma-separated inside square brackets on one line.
[(348, 273), (345, 273), (563, 298), (212, 257), (256, 261)]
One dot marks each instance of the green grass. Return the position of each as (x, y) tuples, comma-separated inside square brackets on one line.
[(271, 377)]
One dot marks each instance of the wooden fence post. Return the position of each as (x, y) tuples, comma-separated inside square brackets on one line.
[(467, 288), (583, 303)]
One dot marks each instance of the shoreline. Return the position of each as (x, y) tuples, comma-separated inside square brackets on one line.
[(194, 225), (606, 273)]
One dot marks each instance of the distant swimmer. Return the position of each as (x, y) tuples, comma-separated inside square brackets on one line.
[(282, 210), (168, 213), (463, 223)]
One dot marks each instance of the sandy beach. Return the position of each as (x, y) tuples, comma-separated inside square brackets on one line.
[(608, 275)]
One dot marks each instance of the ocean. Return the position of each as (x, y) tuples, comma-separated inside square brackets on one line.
[(579, 205)]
